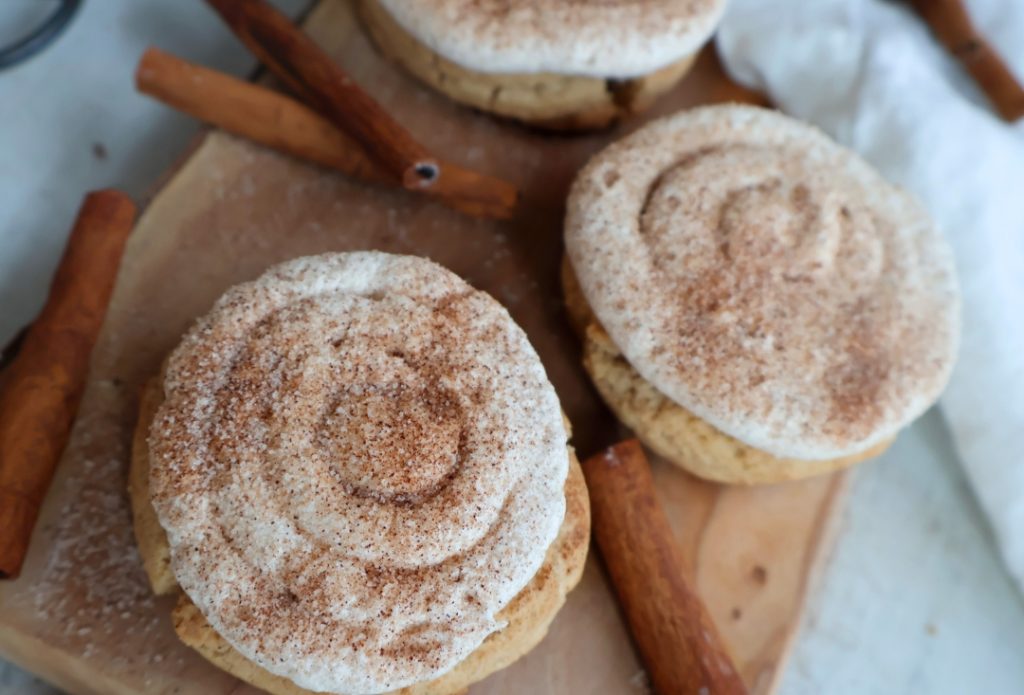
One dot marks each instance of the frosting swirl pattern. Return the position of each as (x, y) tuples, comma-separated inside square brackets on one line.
[(597, 38), (359, 462), (766, 279)]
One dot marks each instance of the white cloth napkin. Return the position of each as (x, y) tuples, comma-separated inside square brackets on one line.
[(869, 73)]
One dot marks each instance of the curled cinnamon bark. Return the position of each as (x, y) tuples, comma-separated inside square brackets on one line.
[(952, 26), (672, 629), (309, 72), (44, 382)]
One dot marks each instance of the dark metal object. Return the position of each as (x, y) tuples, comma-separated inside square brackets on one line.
[(40, 37)]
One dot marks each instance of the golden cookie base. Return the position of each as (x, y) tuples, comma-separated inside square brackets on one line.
[(546, 100), (528, 616), (669, 429)]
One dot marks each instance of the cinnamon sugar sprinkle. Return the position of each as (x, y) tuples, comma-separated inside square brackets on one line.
[(360, 461), (598, 38), (766, 279)]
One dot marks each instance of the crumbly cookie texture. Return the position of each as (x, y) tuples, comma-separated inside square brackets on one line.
[(528, 616), (766, 279), (544, 99), (671, 430)]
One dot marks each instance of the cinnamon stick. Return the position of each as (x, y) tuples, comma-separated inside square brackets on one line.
[(44, 382), (952, 26), (320, 82), (675, 635), (275, 120), (253, 112)]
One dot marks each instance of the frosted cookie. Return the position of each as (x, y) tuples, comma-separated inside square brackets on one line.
[(552, 63), (355, 473), (756, 301)]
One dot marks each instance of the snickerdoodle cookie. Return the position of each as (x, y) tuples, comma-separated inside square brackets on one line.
[(755, 300), (551, 63), (354, 472)]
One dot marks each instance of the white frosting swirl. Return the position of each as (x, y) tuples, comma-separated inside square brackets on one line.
[(359, 462), (596, 38), (766, 279)]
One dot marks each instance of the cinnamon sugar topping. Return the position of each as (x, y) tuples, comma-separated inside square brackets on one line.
[(598, 38), (360, 461), (766, 279)]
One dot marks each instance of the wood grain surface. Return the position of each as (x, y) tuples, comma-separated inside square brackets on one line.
[(81, 614)]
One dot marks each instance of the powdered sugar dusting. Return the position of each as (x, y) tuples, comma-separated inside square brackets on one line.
[(766, 279), (359, 463), (92, 590), (640, 683)]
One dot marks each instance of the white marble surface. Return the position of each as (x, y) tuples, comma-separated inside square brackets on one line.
[(913, 600), (71, 121)]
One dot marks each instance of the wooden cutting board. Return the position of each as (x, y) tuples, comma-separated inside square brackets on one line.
[(81, 614)]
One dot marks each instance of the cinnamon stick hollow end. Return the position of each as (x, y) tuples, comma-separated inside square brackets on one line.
[(320, 82), (756, 302), (278, 121)]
